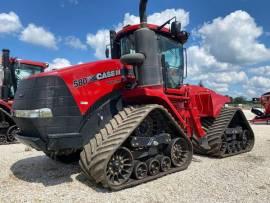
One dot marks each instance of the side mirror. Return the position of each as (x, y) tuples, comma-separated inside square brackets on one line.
[(133, 59), (183, 37), (107, 52), (175, 28)]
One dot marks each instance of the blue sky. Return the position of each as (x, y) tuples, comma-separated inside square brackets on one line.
[(64, 32)]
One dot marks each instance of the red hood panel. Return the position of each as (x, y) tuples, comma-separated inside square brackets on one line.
[(91, 81)]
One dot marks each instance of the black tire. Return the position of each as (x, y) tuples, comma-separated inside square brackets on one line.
[(178, 151), (11, 132), (140, 170), (153, 166), (3, 139), (165, 163), (64, 158)]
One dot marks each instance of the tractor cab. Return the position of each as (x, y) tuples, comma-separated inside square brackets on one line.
[(161, 46), (13, 70), (24, 69)]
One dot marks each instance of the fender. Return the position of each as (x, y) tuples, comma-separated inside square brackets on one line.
[(99, 114)]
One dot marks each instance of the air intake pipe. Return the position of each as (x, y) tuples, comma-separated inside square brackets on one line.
[(5, 58), (146, 60), (6, 80), (142, 11)]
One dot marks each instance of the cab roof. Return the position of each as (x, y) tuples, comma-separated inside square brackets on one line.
[(132, 28), (33, 63)]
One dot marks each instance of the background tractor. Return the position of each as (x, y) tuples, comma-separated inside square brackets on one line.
[(262, 117), (12, 71), (131, 118)]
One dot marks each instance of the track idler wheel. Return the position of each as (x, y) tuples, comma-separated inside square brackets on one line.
[(153, 166), (179, 152), (165, 163), (140, 170), (11, 132), (120, 167)]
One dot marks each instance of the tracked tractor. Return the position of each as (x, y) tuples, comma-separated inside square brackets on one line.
[(12, 71), (131, 118), (262, 117)]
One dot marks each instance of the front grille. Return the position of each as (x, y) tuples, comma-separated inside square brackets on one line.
[(47, 92)]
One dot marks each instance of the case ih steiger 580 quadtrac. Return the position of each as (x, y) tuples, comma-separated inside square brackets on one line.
[(11, 72), (131, 118), (262, 117)]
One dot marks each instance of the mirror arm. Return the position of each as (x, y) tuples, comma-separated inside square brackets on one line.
[(166, 23)]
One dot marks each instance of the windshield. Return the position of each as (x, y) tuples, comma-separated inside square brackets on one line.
[(24, 70), (171, 50), (127, 45)]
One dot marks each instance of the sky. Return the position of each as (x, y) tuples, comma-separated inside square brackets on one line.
[(229, 47)]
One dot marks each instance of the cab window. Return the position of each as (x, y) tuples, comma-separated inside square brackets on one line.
[(173, 55)]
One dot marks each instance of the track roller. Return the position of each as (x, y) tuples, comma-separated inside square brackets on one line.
[(153, 166), (3, 139), (165, 163), (140, 170)]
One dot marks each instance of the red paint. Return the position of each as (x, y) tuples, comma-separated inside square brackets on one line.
[(265, 101), (188, 104), (92, 92), (33, 63)]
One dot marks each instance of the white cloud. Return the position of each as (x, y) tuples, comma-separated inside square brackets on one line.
[(158, 18), (262, 71), (257, 85), (99, 40), (228, 46), (259, 82), (219, 87), (234, 39), (39, 36), (58, 63), (75, 43), (9, 22), (199, 60)]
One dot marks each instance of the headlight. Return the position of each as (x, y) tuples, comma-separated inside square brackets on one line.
[(37, 113)]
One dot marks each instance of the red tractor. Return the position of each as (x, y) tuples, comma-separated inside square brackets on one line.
[(12, 71), (131, 118), (262, 117)]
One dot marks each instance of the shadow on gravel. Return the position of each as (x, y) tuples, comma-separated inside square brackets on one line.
[(98, 188), (43, 170)]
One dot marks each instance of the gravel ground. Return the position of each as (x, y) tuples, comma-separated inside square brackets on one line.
[(29, 176)]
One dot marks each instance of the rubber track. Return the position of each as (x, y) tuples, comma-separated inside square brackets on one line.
[(215, 132), (9, 143), (97, 153)]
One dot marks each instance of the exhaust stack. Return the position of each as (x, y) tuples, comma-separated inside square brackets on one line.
[(143, 16), (5, 58)]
